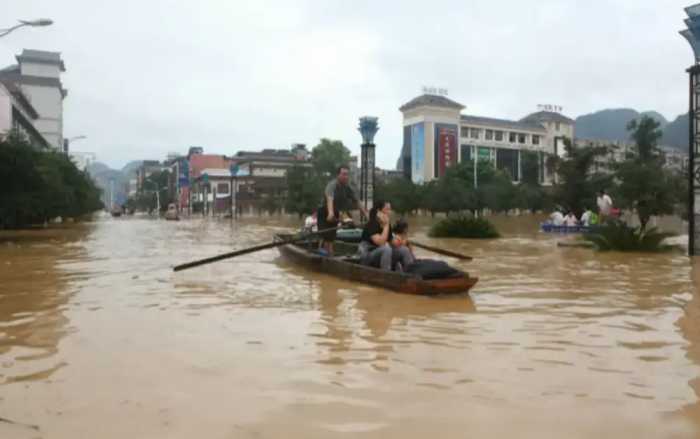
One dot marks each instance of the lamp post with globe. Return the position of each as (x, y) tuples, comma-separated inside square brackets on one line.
[(692, 34), (368, 128)]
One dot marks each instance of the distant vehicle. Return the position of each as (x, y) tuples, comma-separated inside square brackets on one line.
[(171, 214), (116, 211)]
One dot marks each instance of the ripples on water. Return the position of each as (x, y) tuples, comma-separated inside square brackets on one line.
[(94, 325)]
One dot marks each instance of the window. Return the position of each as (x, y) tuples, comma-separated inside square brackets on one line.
[(522, 138), (535, 139), (558, 126), (474, 133), (489, 134), (222, 188), (507, 160), (499, 136), (511, 137), (464, 131), (466, 152)]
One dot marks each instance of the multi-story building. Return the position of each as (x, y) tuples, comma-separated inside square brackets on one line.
[(38, 75), (18, 114), (82, 159), (674, 158), (262, 176), (147, 168), (437, 135)]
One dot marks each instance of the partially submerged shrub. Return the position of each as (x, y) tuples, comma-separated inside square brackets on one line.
[(618, 236), (463, 227)]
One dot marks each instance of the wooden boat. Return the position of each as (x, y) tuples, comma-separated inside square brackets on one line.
[(348, 267)]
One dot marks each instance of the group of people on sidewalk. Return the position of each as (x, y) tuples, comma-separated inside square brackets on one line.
[(588, 217)]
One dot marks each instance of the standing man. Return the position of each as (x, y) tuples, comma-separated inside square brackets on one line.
[(338, 197), (605, 205)]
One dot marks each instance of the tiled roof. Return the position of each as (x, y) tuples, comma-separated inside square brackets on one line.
[(431, 101), (41, 56), (502, 123), (199, 162), (547, 116)]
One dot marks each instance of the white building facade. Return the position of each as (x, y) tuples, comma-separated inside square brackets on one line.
[(18, 114), (38, 75), (436, 135)]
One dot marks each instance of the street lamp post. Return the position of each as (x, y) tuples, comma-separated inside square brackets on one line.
[(22, 23), (692, 34), (66, 142), (368, 128)]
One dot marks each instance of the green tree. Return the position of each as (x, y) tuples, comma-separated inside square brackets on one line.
[(40, 184), (328, 155), (531, 195), (304, 189), (402, 193), (645, 184), (577, 183), (530, 168)]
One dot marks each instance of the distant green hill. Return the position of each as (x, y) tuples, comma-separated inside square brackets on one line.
[(108, 179), (676, 133), (612, 125)]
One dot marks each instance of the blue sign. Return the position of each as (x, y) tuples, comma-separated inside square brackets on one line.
[(417, 152), (234, 170)]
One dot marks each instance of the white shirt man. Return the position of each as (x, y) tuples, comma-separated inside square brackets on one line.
[(586, 218), (570, 220), (557, 218), (604, 203)]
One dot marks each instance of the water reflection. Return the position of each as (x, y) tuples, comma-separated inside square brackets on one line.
[(362, 324), (561, 331), (34, 295)]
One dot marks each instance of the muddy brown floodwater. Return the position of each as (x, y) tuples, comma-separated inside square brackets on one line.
[(100, 339)]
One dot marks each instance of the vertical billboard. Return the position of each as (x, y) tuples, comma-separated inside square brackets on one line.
[(417, 153), (445, 148)]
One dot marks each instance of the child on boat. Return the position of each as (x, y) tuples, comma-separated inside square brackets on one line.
[(403, 250)]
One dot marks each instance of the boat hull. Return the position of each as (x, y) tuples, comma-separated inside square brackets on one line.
[(400, 282), (551, 228)]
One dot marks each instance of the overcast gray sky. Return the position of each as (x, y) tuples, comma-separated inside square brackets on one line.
[(149, 77)]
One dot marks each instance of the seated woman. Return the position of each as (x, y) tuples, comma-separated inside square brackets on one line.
[(375, 248)]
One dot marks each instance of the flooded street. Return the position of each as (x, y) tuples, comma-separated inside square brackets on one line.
[(99, 338)]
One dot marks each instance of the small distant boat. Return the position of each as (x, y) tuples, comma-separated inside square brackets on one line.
[(171, 214), (551, 228), (349, 268)]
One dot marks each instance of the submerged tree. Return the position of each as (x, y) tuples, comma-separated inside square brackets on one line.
[(578, 181), (645, 184)]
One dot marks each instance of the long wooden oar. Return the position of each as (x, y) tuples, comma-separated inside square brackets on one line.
[(442, 251), (248, 250)]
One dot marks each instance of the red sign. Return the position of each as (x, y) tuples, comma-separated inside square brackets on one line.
[(447, 149)]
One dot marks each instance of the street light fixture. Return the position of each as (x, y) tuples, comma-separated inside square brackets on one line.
[(41, 22), (692, 34), (368, 128), (66, 142)]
